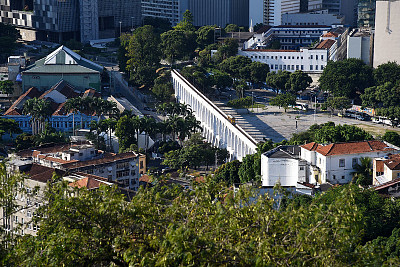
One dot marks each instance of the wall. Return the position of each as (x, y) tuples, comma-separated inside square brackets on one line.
[(217, 129), (284, 170), (387, 32)]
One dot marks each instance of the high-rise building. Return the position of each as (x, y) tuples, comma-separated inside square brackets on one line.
[(387, 32), (220, 12), (167, 9), (205, 12), (348, 8), (314, 5), (366, 13), (274, 9), (59, 20)]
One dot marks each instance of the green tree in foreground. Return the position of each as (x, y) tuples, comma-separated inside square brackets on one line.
[(338, 103), (363, 173), (209, 225), (387, 72)]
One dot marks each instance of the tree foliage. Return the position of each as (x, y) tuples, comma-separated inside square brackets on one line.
[(338, 103), (392, 137), (144, 55), (298, 81), (284, 100), (8, 37), (278, 80), (387, 72), (347, 77)]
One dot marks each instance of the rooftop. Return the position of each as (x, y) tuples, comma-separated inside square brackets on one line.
[(326, 44), (107, 159), (348, 148)]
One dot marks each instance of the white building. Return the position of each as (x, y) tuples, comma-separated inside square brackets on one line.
[(359, 45), (171, 10), (312, 18), (306, 59), (387, 32), (315, 164), (336, 161), (386, 169)]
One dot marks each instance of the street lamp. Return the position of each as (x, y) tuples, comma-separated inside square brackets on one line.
[(120, 28)]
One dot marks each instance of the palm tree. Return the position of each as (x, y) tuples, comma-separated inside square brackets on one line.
[(111, 124), (72, 105), (149, 127), (40, 112), (363, 173)]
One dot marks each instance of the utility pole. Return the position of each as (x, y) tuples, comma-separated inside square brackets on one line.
[(132, 23), (120, 28)]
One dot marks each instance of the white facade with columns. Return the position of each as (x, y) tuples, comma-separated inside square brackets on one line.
[(217, 128)]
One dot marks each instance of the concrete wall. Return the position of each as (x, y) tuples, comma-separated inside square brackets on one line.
[(387, 32), (283, 170)]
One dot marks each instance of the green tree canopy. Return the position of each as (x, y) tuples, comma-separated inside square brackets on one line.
[(298, 81), (338, 103), (186, 24), (205, 35), (258, 72), (8, 37), (385, 95), (228, 49), (232, 28), (347, 77), (278, 80), (283, 100), (392, 137), (178, 44), (237, 66), (144, 55), (7, 87), (387, 72)]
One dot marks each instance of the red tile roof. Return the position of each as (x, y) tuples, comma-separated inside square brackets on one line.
[(349, 148), (31, 93), (326, 44), (53, 159), (88, 182)]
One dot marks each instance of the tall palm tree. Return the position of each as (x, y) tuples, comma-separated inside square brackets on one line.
[(73, 105), (40, 112), (149, 127)]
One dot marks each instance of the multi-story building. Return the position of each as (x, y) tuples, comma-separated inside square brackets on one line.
[(348, 8), (205, 12), (386, 169), (274, 9), (310, 60), (366, 13), (84, 20), (360, 44), (219, 12), (387, 32), (124, 168), (321, 17), (171, 10)]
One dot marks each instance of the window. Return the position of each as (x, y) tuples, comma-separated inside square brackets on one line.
[(342, 177), (341, 163), (302, 67), (316, 57), (311, 56), (398, 175), (141, 165), (334, 177), (311, 67), (28, 213), (322, 67), (133, 172), (322, 57), (354, 162), (301, 168), (316, 67), (320, 160)]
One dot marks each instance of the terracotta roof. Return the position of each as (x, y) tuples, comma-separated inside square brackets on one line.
[(310, 146), (326, 44), (41, 173), (379, 166), (104, 160), (330, 34), (270, 50), (89, 182), (43, 150), (349, 148), (145, 178), (31, 93), (53, 159), (393, 163), (60, 110)]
